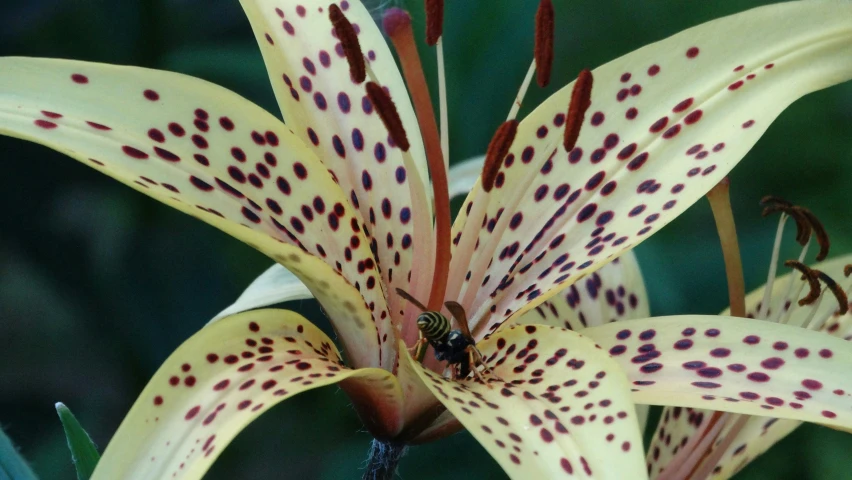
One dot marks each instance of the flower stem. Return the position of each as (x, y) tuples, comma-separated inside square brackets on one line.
[(383, 460)]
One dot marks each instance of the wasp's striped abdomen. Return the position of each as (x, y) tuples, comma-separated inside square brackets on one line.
[(435, 327)]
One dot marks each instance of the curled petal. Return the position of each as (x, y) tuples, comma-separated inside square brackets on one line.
[(212, 154), (222, 379), (558, 406)]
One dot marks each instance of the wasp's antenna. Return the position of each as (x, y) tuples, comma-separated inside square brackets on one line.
[(402, 293)]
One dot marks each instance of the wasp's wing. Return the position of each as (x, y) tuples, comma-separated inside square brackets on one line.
[(461, 318), (402, 293)]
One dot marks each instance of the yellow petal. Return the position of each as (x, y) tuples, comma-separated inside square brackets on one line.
[(666, 123), (209, 153), (735, 365), (560, 406), (222, 379), (331, 113), (614, 293)]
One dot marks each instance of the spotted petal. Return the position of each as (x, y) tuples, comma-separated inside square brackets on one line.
[(222, 379), (759, 433), (666, 123), (209, 153), (332, 114), (560, 406), (735, 365), (614, 293)]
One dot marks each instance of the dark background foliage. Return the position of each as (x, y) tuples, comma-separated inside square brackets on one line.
[(98, 284)]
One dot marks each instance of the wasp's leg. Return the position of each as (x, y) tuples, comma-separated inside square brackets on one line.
[(474, 359), (418, 351)]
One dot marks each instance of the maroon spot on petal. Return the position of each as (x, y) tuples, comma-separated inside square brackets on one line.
[(659, 125), (693, 117), (79, 78), (45, 124), (151, 95), (134, 152), (692, 52), (192, 412), (773, 363), (682, 106), (98, 126), (653, 70), (812, 384)]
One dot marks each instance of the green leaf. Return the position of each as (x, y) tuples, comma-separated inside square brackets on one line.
[(12, 465), (84, 453)]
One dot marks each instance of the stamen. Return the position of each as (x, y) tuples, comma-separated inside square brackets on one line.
[(813, 281), (581, 99), (349, 41), (819, 232), (499, 147), (847, 270), (434, 21), (720, 204), (387, 112), (397, 24), (543, 52), (442, 104), (773, 268), (519, 98), (838, 292)]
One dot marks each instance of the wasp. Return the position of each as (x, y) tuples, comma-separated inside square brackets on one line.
[(456, 347)]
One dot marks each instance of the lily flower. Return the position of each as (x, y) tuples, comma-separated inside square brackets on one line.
[(339, 195)]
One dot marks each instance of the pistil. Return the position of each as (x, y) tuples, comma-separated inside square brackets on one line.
[(720, 203), (397, 24)]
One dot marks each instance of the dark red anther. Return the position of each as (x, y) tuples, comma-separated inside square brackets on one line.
[(838, 292), (434, 21), (812, 276), (819, 232), (581, 99), (387, 112), (806, 222), (543, 52), (847, 270), (497, 150), (349, 41)]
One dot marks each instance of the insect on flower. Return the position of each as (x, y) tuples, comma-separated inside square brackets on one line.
[(452, 346)]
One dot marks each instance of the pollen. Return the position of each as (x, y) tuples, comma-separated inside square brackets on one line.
[(580, 102), (812, 277), (543, 52), (497, 150), (434, 21), (387, 112), (349, 41)]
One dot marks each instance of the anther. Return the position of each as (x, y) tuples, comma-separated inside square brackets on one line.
[(387, 112), (772, 204), (847, 270), (838, 292), (819, 232), (349, 41), (543, 52), (581, 99), (811, 276), (434, 21), (497, 150)]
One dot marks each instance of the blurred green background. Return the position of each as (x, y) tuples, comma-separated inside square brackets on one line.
[(98, 284)]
